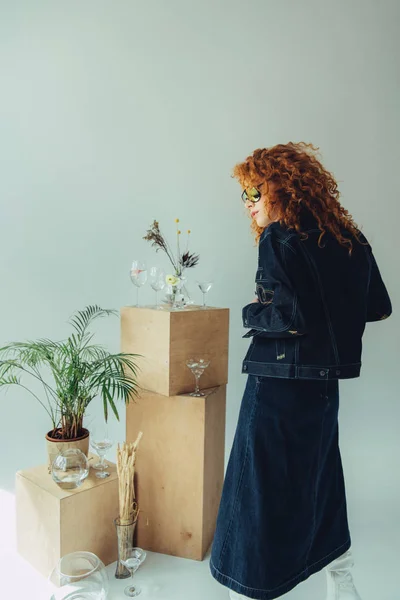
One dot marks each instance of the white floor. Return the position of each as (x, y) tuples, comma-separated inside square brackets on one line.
[(160, 577), (375, 550)]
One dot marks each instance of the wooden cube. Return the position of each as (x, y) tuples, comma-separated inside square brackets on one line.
[(179, 469), (52, 522), (167, 338)]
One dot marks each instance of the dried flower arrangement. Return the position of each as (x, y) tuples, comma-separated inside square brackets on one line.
[(180, 262)]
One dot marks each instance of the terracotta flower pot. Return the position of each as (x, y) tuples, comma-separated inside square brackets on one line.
[(54, 446)]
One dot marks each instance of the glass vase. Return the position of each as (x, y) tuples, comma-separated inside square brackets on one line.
[(177, 295), (125, 532), (70, 469), (185, 294), (176, 299)]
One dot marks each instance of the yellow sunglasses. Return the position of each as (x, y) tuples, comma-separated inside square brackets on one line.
[(253, 194)]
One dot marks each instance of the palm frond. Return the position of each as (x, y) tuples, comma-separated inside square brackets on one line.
[(93, 353), (83, 318), (80, 370), (107, 397), (28, 353), (7, 377)]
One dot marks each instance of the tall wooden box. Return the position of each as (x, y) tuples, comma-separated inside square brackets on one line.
[(179, 469), (52, 522), (167, 338)]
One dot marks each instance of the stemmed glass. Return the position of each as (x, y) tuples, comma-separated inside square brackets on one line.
[(132, 561), (157, 281), (101, 442), (197, 366), (205, 287), (138, 276)]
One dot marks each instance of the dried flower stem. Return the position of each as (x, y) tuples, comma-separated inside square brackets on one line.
[(183, 261), (170, 254), (177, 242)]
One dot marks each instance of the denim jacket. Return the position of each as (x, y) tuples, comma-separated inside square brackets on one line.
[(313, 304)]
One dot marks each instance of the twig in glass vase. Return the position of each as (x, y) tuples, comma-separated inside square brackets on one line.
[(128, 507)]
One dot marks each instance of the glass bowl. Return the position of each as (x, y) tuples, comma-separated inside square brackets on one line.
[(79, 576), (70, 468)]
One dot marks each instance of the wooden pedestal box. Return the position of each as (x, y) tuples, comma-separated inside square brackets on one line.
[(179, 469), (166, 339), (52, 522)]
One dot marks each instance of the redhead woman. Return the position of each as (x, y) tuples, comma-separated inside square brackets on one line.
[(283, 514)]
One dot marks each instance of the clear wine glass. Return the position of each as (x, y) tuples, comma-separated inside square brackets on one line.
[(132, 560), (101, 443), (138, 276), (205, 287), (197, 366), (157, 281)]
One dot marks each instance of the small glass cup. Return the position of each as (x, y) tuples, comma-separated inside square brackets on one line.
[(197, 366), (205, 287), (101, 443), (134, 557)]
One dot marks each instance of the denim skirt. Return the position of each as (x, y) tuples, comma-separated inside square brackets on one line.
[(282, 515)]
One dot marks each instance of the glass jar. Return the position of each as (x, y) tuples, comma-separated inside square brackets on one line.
[(70, 468), (79, 576), (177, 295)]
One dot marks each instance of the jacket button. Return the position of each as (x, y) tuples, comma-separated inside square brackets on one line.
[(246, 323), (245, 368), (337, 372), (322, 373)]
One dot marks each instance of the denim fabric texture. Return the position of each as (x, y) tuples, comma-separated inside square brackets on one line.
[(283, 514), (314, 303)]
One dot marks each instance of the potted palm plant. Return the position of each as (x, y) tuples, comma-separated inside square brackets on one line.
[(72, 373)]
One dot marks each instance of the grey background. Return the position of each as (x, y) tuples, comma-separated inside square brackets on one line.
[(116, 113)]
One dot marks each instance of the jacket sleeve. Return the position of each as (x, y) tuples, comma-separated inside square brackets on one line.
[(379, 306), (277, 313)]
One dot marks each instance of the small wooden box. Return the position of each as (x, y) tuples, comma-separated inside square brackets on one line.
[(167, 338), (52, 522), (179, 469)]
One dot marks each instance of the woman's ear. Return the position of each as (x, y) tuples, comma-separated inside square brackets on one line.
[(273, 212)]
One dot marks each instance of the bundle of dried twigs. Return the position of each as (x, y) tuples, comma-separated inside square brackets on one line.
[(126, 460), (128, 507)]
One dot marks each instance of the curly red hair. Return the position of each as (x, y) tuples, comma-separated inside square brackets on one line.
[(301, 183)]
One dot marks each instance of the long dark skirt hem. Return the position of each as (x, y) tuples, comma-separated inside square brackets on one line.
[(282, 514), (257, 594)]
